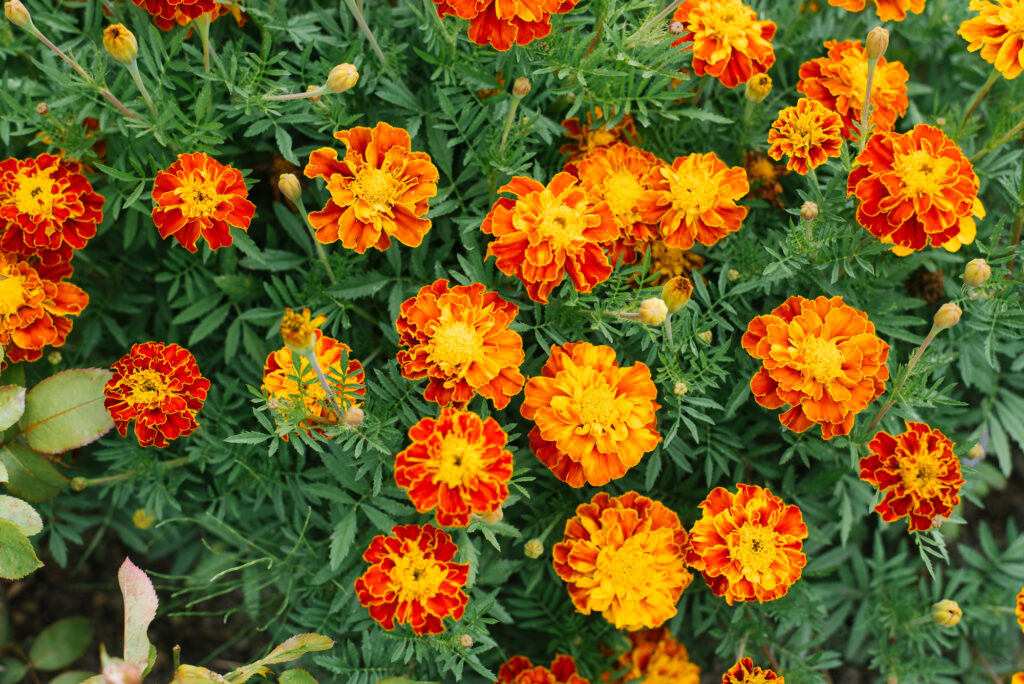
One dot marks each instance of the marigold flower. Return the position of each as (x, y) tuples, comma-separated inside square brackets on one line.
[(457, 464), (594, 419), (887, 10), (695, 199), (159, 387), (346, 380), (48, 209), (670, 262), (33, 310), (916, 189), (520, 670), (744, 672), (298, 330), (917, 473), (459, 338), (120, 43), (412, 579), (998, 31), (727, 39), (198, 197), (840, 80), (182, 19), (546, 232), (165, 11), (821, 357), (619, 175), (1017, 678), (764, 176), (380, 190), (808, 133), (625, 557), (658, 658), (588, 138), (1019, 609), (508, 22)]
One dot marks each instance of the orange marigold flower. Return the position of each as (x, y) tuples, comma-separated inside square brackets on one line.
[(625, 557), (198, 197), (1017, 678), (1019, 610), (520, 670), (588, 138), (998, 31), (159, 387), (917, 473), (546, 232), (458, 464), (619, 175), (821, 357), (658, 658), (727, 39), (744, 672), (506, 22), (748, 545), (594, 419), (165, 11), (459, 338), (916, 189), (412, 579), (808, 133), (695, 199), (346, 379), (764, 177), (840, 80), (380, 190), (183, 19), (299, 330), (888, 10), (47, 210)]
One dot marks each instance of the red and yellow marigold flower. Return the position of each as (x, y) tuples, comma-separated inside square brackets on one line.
[(624, 557), (183, 19), (48, 209), (727, 39), (658, 658), (745, 672), (412, 579), (198, 197), (520, 670), (159, 387), (917, 473), (1019, 608), (821, 357), (504, 22), (887, 10), (808, 133), (998, 31), (595, 420), (916, 189), (346, 379), (33, 310), (459, 338), (547, 232), (840, 80), (748, 545), (165, 11), (379, 191), (587, 137), (619, 175), (695, 200), (1017, 678), (456, 464)]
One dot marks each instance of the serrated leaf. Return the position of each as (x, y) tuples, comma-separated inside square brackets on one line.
[(341, 539), (140, 604), (61, 644)]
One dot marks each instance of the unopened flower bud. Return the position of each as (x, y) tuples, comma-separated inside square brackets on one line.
[(273, 403), (342, 77), (733, 275), (977, 272), (809, 211), (976, 452), (42, 109), (707, 336), (16, 13), (54, 357), (534, 548), (314, 98), (79, 484), (947, 613), (143, 519), (289, 186), (117, 671), (876, 43), (653, 311), (758, 88), (466, 641), (680, 389), (677, 293), (521, 87), (354, 416), (675, 28), (948, 315), (940, 122), (120, 43)]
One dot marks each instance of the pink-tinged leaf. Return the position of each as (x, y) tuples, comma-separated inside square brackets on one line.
[(140, 604), (296, 647)]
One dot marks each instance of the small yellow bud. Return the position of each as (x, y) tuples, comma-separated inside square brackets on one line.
[(675, 28), (947, 613), (533, 548), (876, 44), (143, 519), (491, 517), (314, 98), (653, 311), (758, 88), (289, 186), (677, 293), (976, 452), (342, 77), (299, 331), (120, 43), (940, 122), (948, 315), (680, 389), (54, 357), (733, 275), (354, 416), (466, 641), (977, 272), (42, 109), (707, 336), (809, 211), (16, 13), (521, 87), (78, 484)]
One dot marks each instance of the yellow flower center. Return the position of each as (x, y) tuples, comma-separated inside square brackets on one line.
[(753, 547), (418, 578), (146, 387), (455, 343), (762, 170), (627, 568), (600, 137), (921, 473), (377, 188), (725, 21), (692, 192), (822, 358), (1013, 17), (920, 172), (560, 225), (597, 406), (34, 195), (199, 197), (622, 192), (460, 461), (12, 295)]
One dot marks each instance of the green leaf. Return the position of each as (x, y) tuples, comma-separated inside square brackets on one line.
[(140, 603), (296, 647), (341, 539), (21, 514), (31, 476), (3, 472), (17, 556), (73, 677), (65, 411), (296, 677), (12, 405), (13, 670), (61, 644)]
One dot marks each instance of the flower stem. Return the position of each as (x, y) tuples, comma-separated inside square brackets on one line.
[(980, 96), (508, 122), (133, 69), (668, 333), (165, 466), (74, 65), (117, 103), (298, 96), (865, 110), (1003, 139), (316, 243), (203, 25), (365, 28), (310, 356), (902, 381)]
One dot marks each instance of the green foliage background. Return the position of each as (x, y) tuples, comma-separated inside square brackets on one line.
[(286, 523)]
